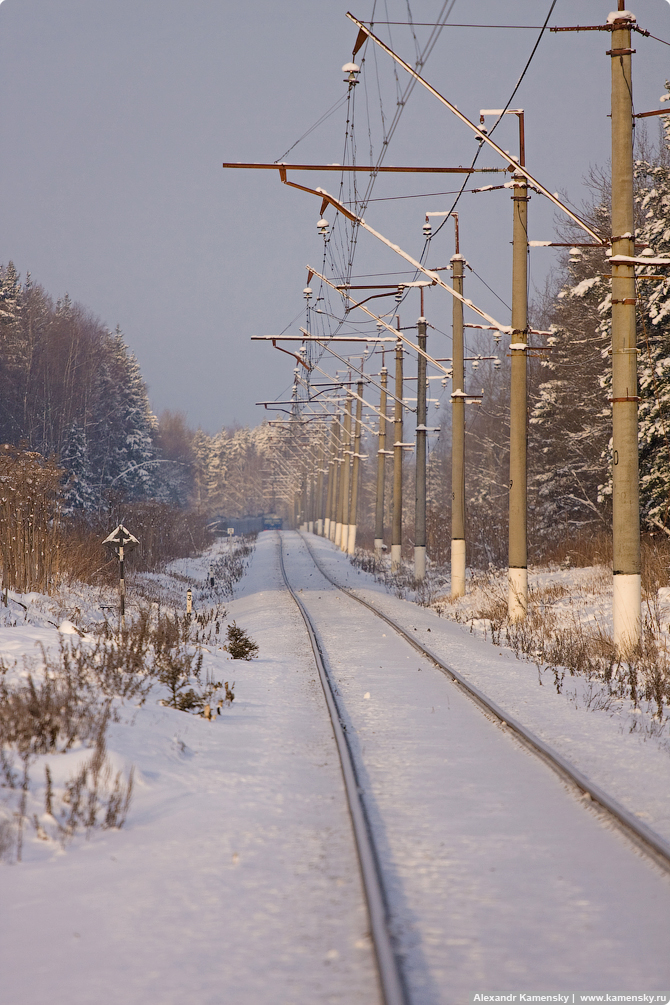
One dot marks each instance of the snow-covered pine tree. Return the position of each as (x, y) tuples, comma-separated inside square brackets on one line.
[(123, 450), (569, 426), (570, 430), (652, 198), (80, 487), (10, 348), (653, 330)]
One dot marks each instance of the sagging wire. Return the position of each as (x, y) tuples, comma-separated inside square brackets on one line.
[(498, 120), (489, 288), (343, 245), (401, 103), (326, 115)]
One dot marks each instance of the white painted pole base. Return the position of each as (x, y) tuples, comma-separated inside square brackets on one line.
[(420, 564), (319, 528), (326, 527), (338, 534), (457, 568), (396, 557), (351, 542), (311, 527), (331, 532), (627, 611), (379, 542), (517, 603)]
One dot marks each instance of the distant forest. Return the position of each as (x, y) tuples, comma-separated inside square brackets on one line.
[(71, 389)]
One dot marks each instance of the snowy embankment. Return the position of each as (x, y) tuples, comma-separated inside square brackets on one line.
[(619, 747), (234, 877)]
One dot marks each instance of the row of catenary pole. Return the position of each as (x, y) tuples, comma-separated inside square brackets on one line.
[(335, 514), (339, 519)]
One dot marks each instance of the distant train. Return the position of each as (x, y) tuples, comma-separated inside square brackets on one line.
[(246, 524), (272, 522)]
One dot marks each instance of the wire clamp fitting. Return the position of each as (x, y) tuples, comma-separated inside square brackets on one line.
[(627, 300)]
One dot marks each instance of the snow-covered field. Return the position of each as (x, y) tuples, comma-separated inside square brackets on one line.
[(234, 878)]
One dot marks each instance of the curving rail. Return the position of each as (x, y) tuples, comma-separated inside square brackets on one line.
[(634, 829)]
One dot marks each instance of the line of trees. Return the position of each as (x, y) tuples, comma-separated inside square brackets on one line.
[(70, 388)]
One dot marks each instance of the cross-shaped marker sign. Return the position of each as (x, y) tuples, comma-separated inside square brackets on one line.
[(121, 538)]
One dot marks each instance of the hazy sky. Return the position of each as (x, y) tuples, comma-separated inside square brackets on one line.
[(117, 114)]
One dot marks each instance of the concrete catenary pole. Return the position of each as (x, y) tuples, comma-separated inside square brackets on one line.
[(331, 478), (304, 504), (341, 447), (336, 479), (457, 438), (420, 475), (318, 512), (518, 548), (396, 530), (381, 465), (311, 504), (355, 472), (625, 478), (341, 533)]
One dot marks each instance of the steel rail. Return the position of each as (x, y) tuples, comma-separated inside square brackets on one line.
[(652, 844), (392, 987)]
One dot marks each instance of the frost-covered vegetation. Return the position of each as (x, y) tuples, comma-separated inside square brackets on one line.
[(567, 633), (56, 706)]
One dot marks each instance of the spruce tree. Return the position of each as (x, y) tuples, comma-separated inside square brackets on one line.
[(80, 486), (653, 325)]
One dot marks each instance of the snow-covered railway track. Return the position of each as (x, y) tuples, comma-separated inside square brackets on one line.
[(390, 976), (492, 876), (634, 829)]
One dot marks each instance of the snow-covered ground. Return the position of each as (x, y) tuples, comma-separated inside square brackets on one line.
[(501, 880), (620, 747), (234, 878)]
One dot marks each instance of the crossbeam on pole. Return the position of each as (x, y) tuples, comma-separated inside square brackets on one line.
[(484, 137), (387, 169)]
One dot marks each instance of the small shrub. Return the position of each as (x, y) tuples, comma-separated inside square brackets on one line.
[(94, 797), (239, 645)]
